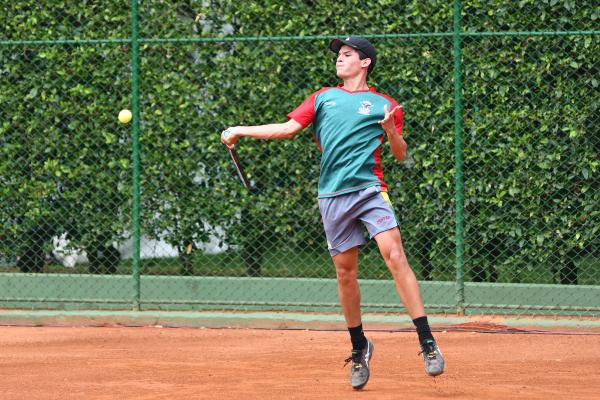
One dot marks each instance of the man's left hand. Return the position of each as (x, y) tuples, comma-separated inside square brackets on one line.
[(387, 123)]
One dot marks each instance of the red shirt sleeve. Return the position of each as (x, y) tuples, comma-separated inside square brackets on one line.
[(304, 114)]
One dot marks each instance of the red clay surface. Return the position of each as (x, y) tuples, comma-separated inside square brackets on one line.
[(180, 363)]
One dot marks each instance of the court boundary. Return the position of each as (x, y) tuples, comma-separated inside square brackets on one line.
[(295, 320)]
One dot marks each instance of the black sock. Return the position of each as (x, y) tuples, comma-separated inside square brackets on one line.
[(357, 336), (423, 329)]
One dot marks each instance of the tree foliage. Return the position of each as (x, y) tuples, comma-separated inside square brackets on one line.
[(531, 140)]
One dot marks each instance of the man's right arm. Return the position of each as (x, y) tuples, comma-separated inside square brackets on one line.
[(299, 119), (285, 130)]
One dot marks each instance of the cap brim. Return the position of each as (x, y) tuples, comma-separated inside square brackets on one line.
[(336, 44)]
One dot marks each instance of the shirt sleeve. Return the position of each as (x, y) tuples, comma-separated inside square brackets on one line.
[(304, 114)]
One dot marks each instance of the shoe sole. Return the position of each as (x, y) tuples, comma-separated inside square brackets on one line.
[(435, 374)]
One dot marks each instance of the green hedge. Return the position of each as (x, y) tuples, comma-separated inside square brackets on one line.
[(530, 126)]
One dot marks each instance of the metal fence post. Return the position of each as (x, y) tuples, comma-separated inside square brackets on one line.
[(135, 88), (458, 180)]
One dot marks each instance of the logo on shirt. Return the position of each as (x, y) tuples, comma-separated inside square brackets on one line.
[(383, 219), (365, 107), (330, 103)]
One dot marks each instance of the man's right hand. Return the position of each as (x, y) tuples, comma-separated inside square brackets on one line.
[(229, 137)]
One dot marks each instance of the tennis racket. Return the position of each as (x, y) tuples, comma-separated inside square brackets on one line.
[(238, 166)]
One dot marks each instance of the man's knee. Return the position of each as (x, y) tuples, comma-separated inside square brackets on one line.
[(346, 273), (396, 259), (393, 255)]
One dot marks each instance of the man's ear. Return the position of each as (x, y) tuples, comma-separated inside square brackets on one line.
[(365, 62)]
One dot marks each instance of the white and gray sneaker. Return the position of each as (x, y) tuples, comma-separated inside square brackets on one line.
[(434, 361), (359, 372)]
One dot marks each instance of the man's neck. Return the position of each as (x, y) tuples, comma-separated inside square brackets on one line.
[(355, 84)]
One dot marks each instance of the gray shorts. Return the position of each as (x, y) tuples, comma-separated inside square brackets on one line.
[(344, 216)]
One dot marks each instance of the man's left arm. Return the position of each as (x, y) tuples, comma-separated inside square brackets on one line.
[(392, 125)]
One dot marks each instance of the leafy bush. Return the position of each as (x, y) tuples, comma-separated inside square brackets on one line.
[(530, 126)]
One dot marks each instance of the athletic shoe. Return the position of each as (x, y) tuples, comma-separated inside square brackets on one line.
[(359, 372), (434, 361)]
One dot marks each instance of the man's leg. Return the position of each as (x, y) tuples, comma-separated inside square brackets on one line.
[(390, 246), (346, 267)]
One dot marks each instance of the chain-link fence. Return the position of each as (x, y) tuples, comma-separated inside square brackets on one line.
[(498, 198)]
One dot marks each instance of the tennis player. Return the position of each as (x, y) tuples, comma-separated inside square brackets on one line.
[(350, 122)]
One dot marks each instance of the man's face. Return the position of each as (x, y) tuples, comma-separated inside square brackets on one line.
[(348, 63)]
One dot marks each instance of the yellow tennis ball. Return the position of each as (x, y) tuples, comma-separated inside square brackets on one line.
[(124, 116)]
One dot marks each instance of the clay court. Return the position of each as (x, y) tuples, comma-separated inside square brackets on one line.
[(199, 363)]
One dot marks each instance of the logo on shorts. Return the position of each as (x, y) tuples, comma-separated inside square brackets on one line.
[(365, 107), (383, 219)]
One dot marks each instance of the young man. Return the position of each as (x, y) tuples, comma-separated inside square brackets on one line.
[(349, 122)]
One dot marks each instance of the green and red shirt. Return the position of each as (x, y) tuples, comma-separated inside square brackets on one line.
[(349, 136)]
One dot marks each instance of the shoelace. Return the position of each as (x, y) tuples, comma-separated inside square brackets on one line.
[(429, 350), (355, 358)]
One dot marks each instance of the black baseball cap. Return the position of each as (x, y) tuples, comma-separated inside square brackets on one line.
[(357, 43)]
